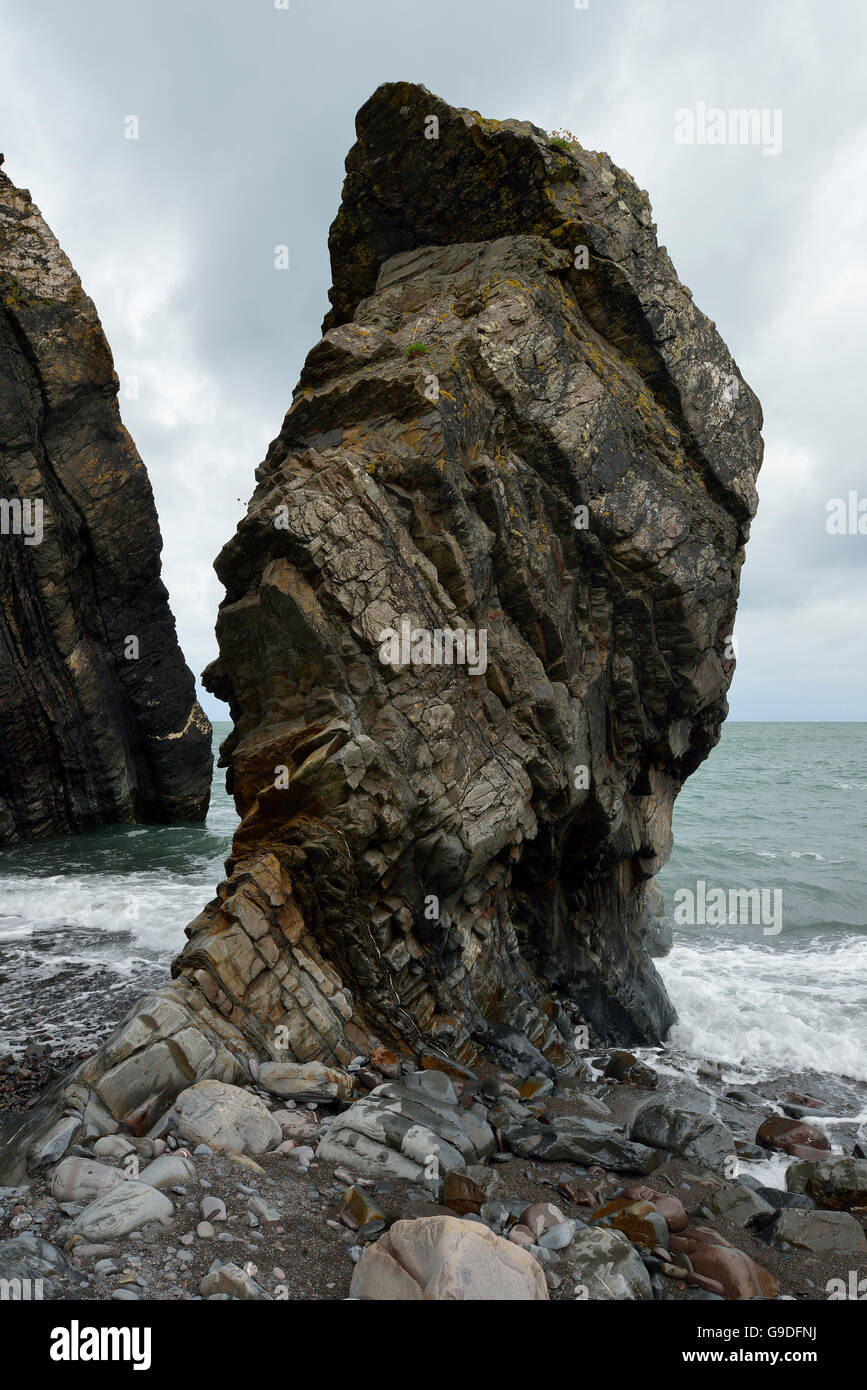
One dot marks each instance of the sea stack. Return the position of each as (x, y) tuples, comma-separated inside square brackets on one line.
[(99, 721), (522, 459)]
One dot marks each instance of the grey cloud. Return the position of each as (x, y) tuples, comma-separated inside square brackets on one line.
[(246, 116)]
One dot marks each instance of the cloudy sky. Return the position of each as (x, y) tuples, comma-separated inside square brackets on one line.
[(245, 115)]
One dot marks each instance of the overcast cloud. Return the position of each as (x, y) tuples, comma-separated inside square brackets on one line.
[(246, 115)]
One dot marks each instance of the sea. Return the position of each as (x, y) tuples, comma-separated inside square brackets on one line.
[(89, 923)]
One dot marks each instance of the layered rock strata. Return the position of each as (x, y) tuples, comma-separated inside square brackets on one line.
[(98, 712), (476, 634)]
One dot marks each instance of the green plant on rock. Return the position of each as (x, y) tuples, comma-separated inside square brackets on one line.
[(416, 350), (563, 140)]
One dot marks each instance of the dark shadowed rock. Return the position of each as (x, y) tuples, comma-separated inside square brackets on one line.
[(817, 1231), (791, 1136), (587, 1142), (736, 1203), (701, 1138), (835, 1184), (92, 732), (476, 630), (607, 1266)]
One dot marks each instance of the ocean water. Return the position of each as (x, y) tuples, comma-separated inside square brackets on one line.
[(780, 808), (89, 923)]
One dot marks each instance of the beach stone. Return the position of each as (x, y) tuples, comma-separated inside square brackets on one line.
[(266, 1210), (698, 1137), (805, 1101), (557, 1237), (779, 1199), (607, 1265), (437, 1084), (233, 1281), (835, 1184), (213, 1209), (461, 1194), (113, 1146), (50, 1147), (670, 1208), (640, 1221), (396, 1129), (226, 1118), (205, 1231), (507, 1112), (85, 1251), (684, 1241), (584, 1141), (444, 1258), (737, 1203), (712, 1256), (169, 1170), (489, 1179), (81, 1179), (124, 1208), (514, 1051), (540, 1217), (749, 1152), (357, 1209), (780, 1133), (627, 1069), (701, 1283), (497, 1215), (520, 1235), (739, 1276), (818, 1231), (296, 1124), (305, 1082)]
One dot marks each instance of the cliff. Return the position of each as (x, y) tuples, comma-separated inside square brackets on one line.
[(98, 712)]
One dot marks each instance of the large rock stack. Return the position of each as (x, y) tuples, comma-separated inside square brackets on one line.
[(518, 445), (98, 713)]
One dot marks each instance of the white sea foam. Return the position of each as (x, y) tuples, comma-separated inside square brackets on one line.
[(153, 906), (802, 1007)]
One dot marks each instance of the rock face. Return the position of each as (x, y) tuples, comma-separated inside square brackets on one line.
[(556, 462), (476, 630), (96, 729)]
